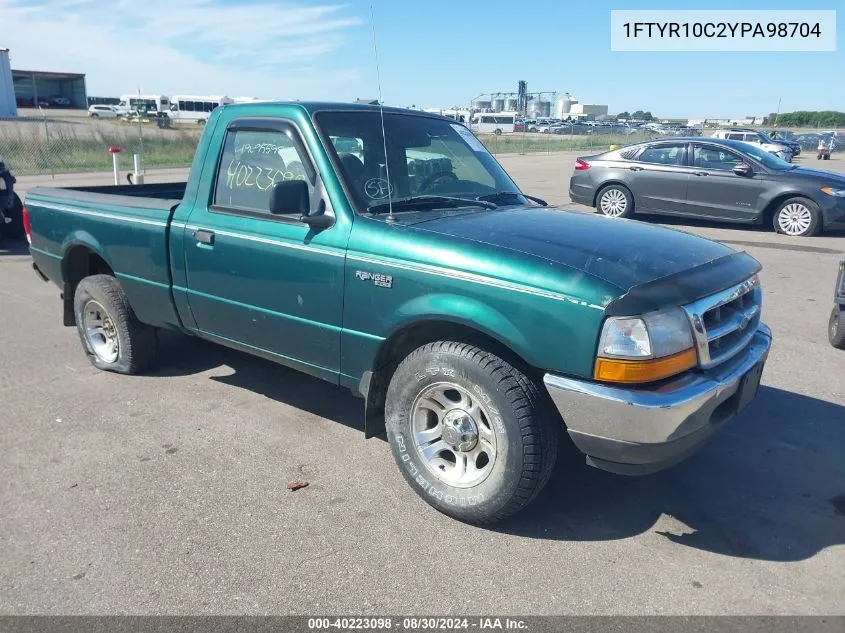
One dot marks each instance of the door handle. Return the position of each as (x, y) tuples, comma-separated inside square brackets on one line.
[(635, 168), (701, 173), (204, 237)]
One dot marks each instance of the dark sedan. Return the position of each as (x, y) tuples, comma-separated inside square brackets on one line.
[(713, 179), (794, 146)]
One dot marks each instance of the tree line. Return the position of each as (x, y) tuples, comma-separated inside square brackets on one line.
[(639, 115), (824, 118)]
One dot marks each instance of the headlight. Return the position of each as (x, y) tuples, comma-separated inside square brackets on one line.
[(839, 193), (645, 348)]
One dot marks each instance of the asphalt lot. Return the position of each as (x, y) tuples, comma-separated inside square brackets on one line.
[(166, 493)]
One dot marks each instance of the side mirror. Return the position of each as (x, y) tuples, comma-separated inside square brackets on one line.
[(743, 169), (290, 197)]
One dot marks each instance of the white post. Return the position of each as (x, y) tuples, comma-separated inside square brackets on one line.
[(116, 161), (137, 176)]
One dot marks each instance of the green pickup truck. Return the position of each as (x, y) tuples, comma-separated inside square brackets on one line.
[(388, 252)]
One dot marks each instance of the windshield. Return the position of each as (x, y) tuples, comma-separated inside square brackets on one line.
[(426, 156), (769, 160), (765, 139)]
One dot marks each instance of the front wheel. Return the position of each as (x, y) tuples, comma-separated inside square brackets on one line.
[(836, 328), (469, 431), (798, 217), (615, 201)]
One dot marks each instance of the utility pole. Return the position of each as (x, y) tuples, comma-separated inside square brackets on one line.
[(777, 114)]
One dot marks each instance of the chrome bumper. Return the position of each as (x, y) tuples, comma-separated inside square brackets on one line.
[(641, 430)]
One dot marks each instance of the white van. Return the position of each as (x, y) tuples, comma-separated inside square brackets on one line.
[(142, 104), (493, 122), (192, 108), (756, 138)]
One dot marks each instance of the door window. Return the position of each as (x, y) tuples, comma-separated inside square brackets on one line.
[(672, 154), (735, 137), (714, 158), (253, 161)]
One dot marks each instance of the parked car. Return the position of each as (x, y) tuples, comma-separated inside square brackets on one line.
[(756, 138), (714, 179), (11, 208), (60, 102), (102, 112), (836, 326), (471, 319), (794, 146)]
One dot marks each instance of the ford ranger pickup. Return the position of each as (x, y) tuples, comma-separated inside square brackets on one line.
[(385, 250)]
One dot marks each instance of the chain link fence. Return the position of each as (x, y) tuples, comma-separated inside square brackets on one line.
[(49, 146), (53, 145), (600, 137), (565, 137)]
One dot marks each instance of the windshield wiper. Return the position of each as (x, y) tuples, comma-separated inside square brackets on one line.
[(501, 194), (422, 203)]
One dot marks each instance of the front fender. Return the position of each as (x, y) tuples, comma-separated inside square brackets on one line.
[(471, 313)]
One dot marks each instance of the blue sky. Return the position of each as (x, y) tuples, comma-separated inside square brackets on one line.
[(432, 53)]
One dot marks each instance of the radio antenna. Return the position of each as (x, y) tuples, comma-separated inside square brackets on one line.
[(390, 216)]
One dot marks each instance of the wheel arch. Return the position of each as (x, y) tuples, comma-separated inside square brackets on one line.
[(608, 183), (768, 215), (81, 258), (413, 334)]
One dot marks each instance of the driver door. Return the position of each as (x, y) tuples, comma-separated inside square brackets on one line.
[(263, 281)]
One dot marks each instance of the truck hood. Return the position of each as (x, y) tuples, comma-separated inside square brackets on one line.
[(624, 253)]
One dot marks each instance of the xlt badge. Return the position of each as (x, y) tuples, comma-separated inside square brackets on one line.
[(383, 281)]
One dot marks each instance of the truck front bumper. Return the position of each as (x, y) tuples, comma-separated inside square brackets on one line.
[(643, 429)]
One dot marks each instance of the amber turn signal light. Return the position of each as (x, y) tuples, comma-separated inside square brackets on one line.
[(633, 371)]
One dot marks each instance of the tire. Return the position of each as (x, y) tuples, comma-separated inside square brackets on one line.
[(515, 438), (797, 217), (94, 115), (15, 229), (498, 132), (836, 328), (124, 345), (615, 201)]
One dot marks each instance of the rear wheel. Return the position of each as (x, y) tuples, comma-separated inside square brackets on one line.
[(470, 432), (836, 328), (615, 201), (798, 217), (111, 334)]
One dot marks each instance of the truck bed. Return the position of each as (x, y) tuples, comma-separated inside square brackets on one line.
[(127, 226), (163, 196)]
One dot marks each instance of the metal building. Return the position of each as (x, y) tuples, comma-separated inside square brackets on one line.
[(34, 88), (7, 88)]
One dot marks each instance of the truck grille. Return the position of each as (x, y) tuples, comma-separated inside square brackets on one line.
[(724, 323)]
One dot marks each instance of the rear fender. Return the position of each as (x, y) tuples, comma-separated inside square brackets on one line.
[(76, 239)]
